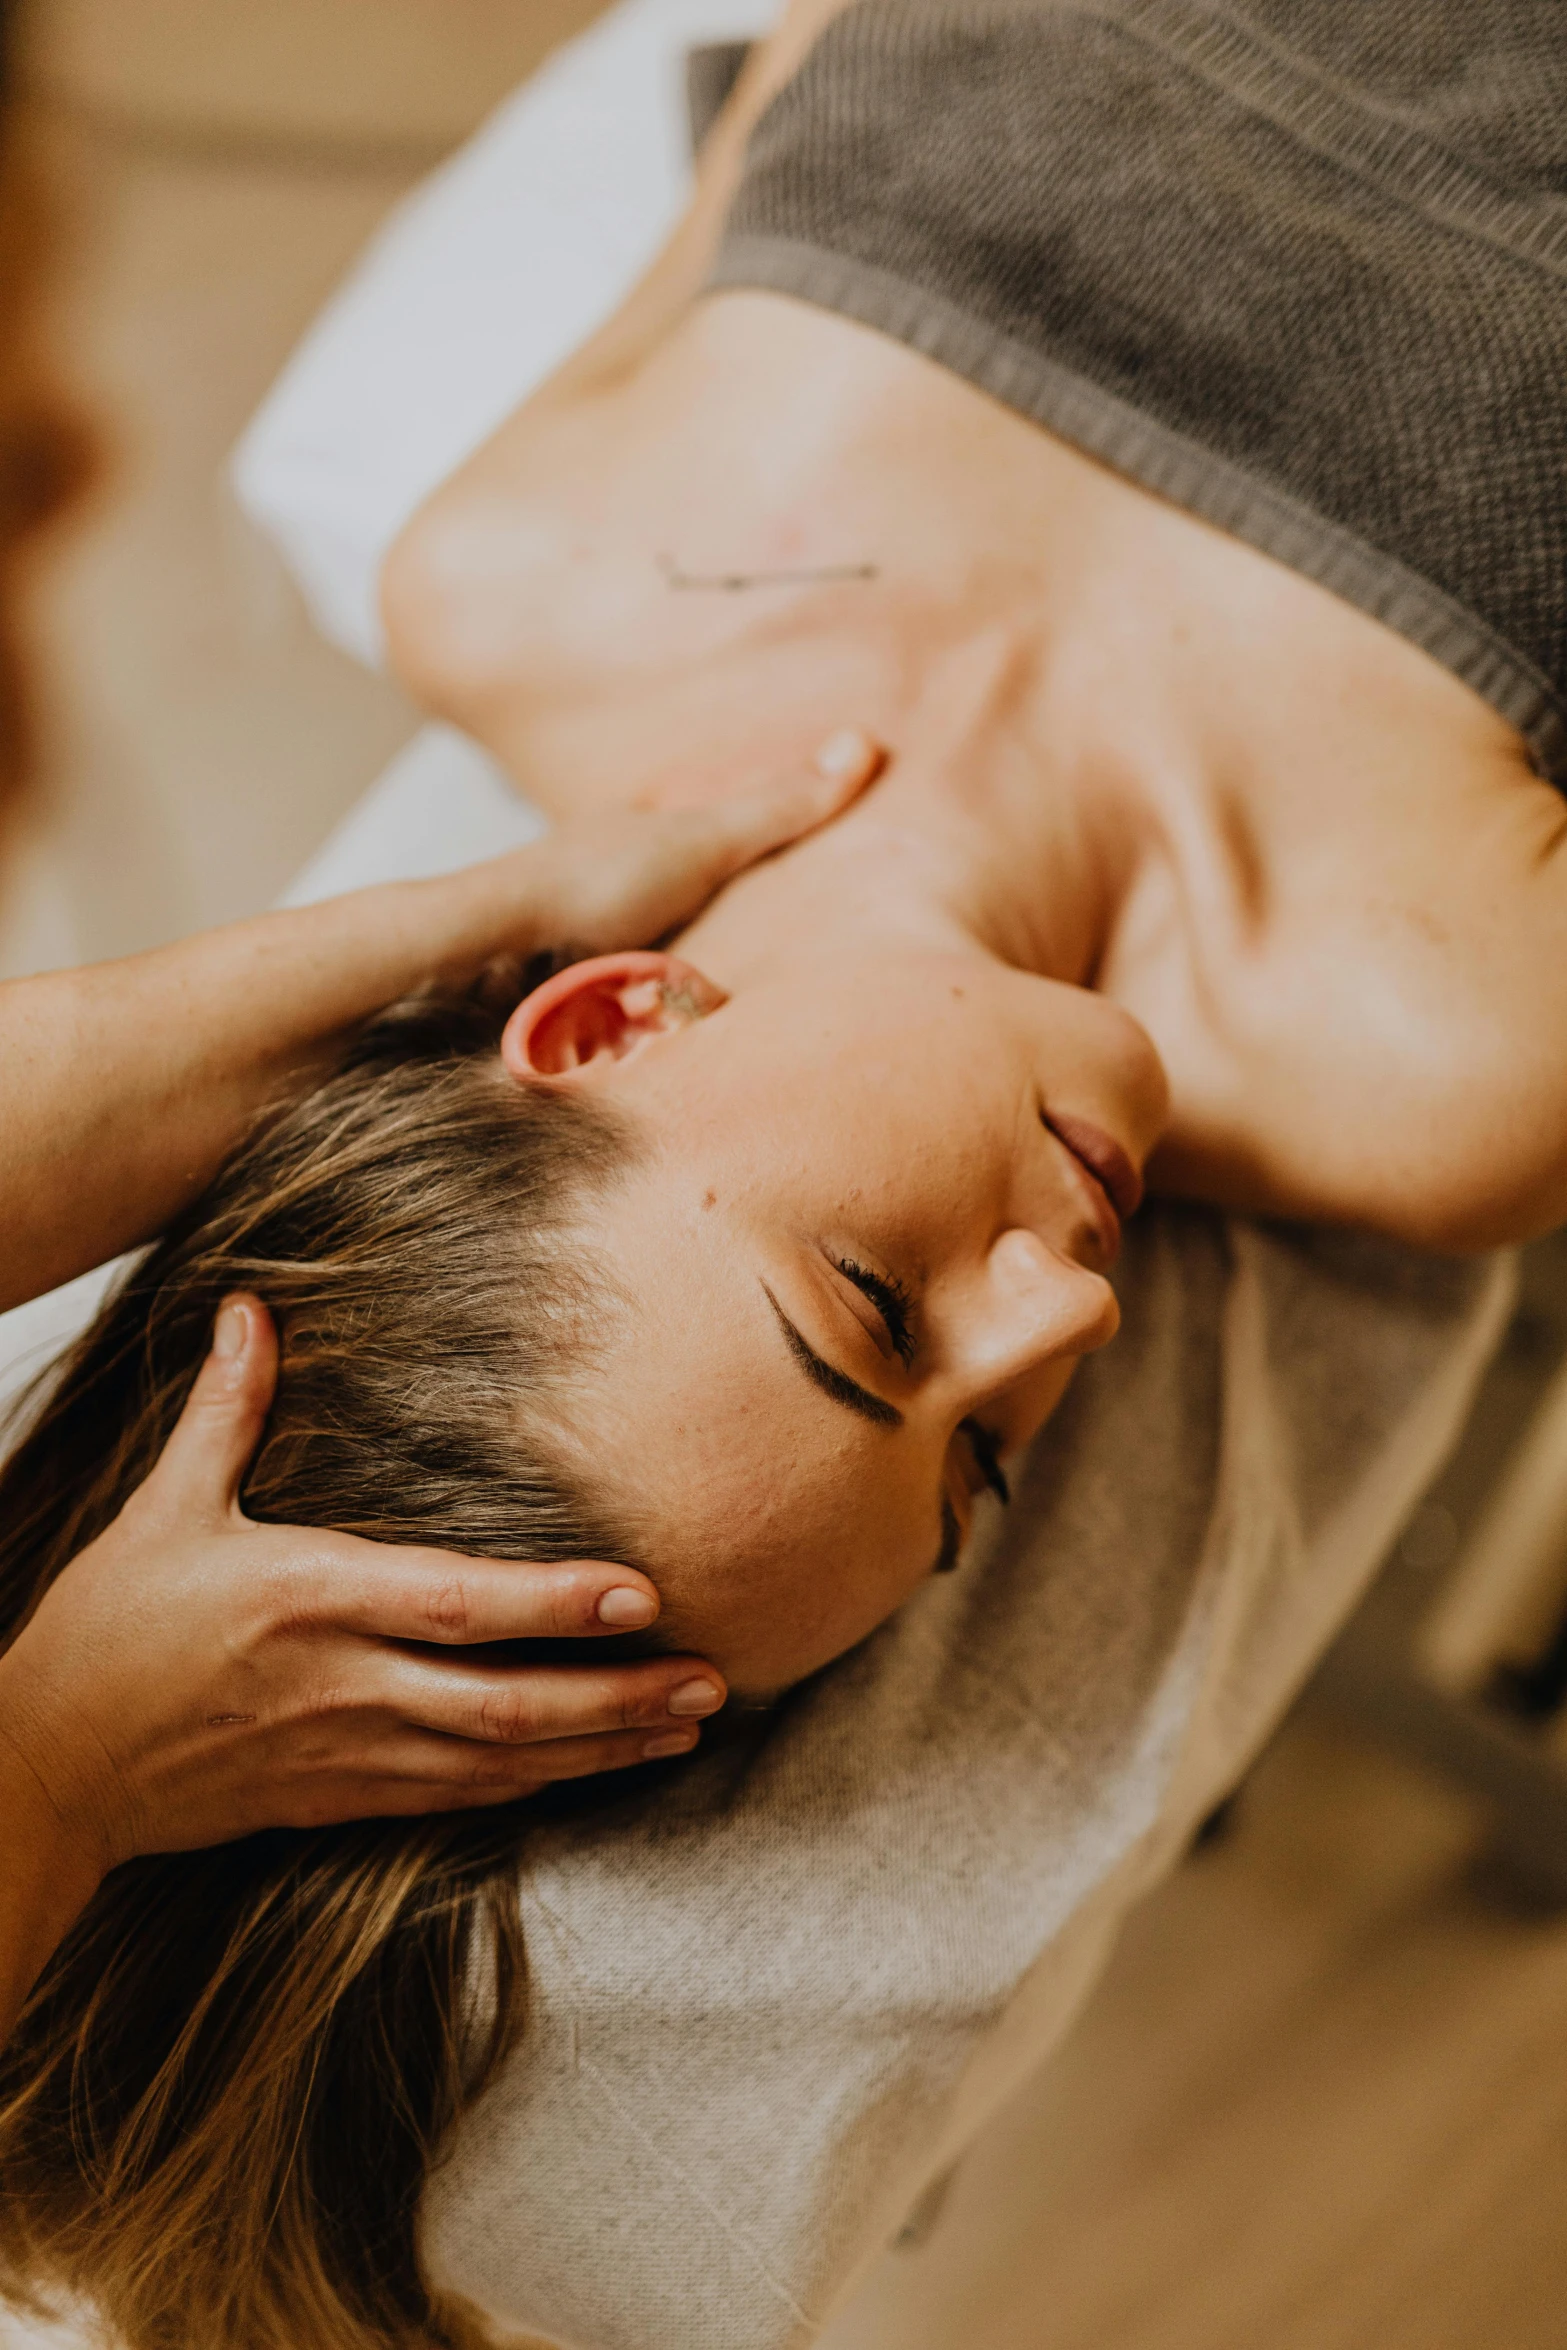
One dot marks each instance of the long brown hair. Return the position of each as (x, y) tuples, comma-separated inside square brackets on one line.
[(220, 2105)]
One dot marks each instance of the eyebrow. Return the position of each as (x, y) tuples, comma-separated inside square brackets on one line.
[(830, 1379)]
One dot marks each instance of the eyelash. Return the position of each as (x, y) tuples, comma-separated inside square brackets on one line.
[(891, 1300), (986, 1450)]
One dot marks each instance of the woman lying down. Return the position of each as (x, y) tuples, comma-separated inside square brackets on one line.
[(1144, 431)]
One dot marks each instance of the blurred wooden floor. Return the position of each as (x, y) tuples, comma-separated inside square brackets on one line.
[(1318, 2103)]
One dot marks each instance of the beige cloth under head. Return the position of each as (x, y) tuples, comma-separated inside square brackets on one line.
[(771, 2004)]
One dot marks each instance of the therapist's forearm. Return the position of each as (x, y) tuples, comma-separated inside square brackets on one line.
[(45, 1884), (125, 1084)]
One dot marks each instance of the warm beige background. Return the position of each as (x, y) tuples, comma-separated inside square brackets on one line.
[(1321, 2102), (215, 165), (365, 76)]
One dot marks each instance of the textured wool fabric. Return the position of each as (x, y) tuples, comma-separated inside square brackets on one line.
[(772, 2003), (1298, 265)]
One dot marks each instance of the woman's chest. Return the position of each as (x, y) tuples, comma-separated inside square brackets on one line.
[(1332, 884)]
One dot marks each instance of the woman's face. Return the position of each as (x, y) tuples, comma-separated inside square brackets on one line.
[(859, 1263)]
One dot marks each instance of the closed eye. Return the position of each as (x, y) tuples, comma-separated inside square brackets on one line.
[(891, 1300)]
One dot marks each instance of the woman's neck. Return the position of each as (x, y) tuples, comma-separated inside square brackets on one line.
[(996, 864), (1013, 818)]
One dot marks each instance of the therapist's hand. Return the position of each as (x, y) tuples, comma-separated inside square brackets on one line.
[(192, 1677), (628, 877), (127, 1084)]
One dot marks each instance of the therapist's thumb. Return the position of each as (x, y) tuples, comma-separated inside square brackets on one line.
[(205, 1459), (751, 825)]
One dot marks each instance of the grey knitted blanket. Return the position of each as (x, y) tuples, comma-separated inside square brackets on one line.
[(1298, 265)]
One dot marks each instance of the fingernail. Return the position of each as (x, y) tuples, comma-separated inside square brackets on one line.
[(228, 1338), (626, 1607), (845, 753), (669, 1742), (694, 1697)]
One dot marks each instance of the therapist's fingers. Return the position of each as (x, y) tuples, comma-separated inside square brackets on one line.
[(407, 1593), (421, 1772), (754, 823), (480, 1774), (532, 1705), (715, 838), (629, 878), (199, 1473)]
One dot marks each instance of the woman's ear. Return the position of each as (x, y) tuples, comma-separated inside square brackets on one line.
[(604, 1010)]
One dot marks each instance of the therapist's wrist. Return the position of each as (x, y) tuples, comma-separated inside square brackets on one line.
[(49, 1874), (629, 876), (341, 961), (464, 921)]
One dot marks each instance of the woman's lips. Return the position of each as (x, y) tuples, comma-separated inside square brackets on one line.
[(1102, 1155), (1110, 1179), (1107, 1224)]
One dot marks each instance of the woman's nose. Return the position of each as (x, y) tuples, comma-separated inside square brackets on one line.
[(1040, 1306)]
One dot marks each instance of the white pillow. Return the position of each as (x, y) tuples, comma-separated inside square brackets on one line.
[(474, 291)]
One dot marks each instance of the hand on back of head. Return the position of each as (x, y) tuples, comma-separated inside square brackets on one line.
[(192, 1677)]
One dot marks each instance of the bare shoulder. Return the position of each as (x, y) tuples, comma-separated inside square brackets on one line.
[(470, 585), (566, 596), (1391, 1049), (460, 584)]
